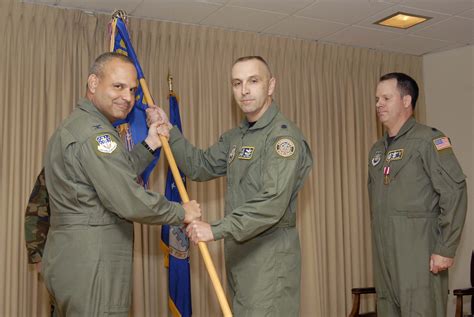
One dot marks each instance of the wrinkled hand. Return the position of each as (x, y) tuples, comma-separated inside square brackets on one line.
[(198, 231), (192, 211), (156, 114), (440, 263)]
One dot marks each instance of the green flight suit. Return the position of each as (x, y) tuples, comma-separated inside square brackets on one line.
[(266, 165), (94, 197), (418, 203)]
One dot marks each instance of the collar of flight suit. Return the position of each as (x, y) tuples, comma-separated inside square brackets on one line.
[(410, 123), (265, 120), (88, 106)]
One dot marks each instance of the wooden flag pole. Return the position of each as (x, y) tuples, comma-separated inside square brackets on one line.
[(185, 198)]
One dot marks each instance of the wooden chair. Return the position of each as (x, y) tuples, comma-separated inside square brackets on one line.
[(356, 292), (459, 293)]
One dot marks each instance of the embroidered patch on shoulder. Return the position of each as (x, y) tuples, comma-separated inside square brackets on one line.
[(442, 143), (285, 147), (246, 152), (376, 158), (106, 144), (231, 155), (394, 155)]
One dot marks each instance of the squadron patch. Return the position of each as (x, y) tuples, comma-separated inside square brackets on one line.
[(377, 158), (442, 143), (285, 147), (231, 155), (106, 145), (394, 155), (246, 152)]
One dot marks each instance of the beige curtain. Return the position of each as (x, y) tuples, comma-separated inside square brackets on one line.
[(328, 90)]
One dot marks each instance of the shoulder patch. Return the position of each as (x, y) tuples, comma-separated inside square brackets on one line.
[(105, 143), (285, 147), (442, 143)]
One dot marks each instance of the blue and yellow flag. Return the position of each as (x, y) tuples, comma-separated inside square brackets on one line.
[(175, 243), (134, 128)]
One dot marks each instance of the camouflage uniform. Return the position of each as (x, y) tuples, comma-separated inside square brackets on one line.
[(37, 220)]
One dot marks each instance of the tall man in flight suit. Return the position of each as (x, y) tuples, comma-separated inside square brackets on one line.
[(418, 202), (94, 197), (266, 160)]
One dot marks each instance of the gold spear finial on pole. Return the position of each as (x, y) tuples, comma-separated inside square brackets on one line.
[(118, 13)]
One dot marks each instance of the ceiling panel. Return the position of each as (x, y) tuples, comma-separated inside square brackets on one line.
[(282, 6), (467, 14), (244, 19), (101, 6), (455, 29), (415, 45), (361, 37), (179, 11), (348, 12), (48, 2), (446, 6), (305, 28)]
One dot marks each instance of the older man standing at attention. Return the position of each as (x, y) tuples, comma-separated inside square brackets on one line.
[(418, 202)]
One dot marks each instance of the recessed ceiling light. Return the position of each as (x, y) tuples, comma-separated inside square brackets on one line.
[(402, 20)]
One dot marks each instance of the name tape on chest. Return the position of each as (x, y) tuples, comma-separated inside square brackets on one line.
[(105, 144), (394, 155), (285, 147), (442, 143), (246, 152)]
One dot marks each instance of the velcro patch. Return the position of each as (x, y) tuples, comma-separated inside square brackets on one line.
[(105, 144), (285, 147), (442, 143), (246, 152), (394, 155)]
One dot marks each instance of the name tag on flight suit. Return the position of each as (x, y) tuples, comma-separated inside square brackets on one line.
[(246, 152)]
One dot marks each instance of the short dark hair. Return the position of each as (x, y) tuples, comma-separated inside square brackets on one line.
[(97, 67), (405, 84), (251, 57)]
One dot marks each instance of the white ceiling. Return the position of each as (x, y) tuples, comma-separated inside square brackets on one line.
[(348, 22)]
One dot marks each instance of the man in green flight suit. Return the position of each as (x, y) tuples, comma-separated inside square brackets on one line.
[(266, 160), (418, 203), (94, 197)]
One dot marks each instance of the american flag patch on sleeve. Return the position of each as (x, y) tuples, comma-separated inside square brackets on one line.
[(442, 143)]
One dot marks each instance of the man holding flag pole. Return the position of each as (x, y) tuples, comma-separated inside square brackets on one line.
[(266, 160)]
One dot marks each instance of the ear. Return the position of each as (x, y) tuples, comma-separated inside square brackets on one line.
[(271, 86), (92, 82), (407, 101)]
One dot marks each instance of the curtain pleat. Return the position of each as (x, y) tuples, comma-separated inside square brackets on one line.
[(326, 89)]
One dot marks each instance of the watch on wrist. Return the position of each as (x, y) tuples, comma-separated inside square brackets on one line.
[(148, 147)]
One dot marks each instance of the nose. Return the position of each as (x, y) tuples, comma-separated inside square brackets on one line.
[(245, 90), (128, 95)]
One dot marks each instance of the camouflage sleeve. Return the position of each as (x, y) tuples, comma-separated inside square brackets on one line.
[(37, 220)]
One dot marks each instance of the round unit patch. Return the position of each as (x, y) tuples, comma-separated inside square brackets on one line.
[(285, 147)]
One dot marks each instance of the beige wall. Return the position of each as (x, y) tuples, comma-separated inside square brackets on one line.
[(449, 92)]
